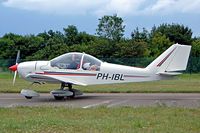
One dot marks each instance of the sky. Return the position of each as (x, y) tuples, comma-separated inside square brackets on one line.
[(36, 16)]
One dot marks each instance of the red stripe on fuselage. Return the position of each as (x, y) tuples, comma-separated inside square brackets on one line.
[(71, 74), (132, 76)]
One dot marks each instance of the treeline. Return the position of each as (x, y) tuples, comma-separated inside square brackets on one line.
[(108, 42)]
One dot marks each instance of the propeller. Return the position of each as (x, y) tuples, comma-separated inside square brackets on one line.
[(14, 67)]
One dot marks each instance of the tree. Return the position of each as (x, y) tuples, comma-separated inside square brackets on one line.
[(196, 47), (138, 36), (16, 42), (71, 33), (175, 32), (7, 48), (52, 45), (130, 49), (84, 38), (111, 27), (100, 48), (194, 61), (159, 43)]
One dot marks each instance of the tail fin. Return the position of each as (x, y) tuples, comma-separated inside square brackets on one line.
[(173, 59)]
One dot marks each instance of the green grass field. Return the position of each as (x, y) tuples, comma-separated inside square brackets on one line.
[(185, 83), (100, 120), (159, 119)]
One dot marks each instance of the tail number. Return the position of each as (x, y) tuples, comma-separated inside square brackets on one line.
[(107, 76)]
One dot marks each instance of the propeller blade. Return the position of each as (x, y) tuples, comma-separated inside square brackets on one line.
[(15, 75), (18, 56), (14, 67)]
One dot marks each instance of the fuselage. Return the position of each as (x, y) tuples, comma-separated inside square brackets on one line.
[(108, 73)]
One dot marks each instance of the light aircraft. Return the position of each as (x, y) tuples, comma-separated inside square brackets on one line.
[(82, 69)]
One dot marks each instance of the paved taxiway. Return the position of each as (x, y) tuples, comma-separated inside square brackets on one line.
[(89, 100)]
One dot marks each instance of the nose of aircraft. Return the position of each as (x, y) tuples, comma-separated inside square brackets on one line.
[(13, 68)]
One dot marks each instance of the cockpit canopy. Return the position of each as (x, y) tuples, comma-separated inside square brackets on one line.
[(76, 61)]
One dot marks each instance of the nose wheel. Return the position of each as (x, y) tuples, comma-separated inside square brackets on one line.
[(28, 93), (28, 97)]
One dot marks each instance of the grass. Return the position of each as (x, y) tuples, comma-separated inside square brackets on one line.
[(185, 83), (99, 120), (102, 119)]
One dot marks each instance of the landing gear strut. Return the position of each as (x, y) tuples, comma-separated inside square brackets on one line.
[(70, 89), (62, 92)]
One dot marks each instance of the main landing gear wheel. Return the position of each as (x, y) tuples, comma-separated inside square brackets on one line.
[(61, 93), (59, 97)]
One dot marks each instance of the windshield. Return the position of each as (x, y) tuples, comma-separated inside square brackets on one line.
[(74, 61)]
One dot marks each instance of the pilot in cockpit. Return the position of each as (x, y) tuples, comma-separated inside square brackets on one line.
[(74, 62)]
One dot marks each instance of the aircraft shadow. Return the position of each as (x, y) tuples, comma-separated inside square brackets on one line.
[(51, 99)]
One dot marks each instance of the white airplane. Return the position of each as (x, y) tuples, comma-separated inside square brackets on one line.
[(83, 69)]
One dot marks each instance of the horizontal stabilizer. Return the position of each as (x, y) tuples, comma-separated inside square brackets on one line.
[(169, 73)]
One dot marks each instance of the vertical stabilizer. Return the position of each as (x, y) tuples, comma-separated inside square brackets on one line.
[(175, 58)]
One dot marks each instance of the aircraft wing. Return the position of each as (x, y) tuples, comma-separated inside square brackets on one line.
[(51, 78)]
